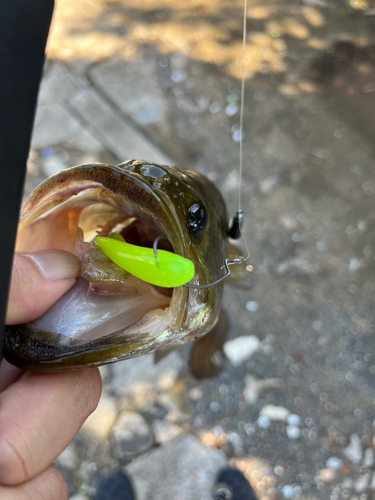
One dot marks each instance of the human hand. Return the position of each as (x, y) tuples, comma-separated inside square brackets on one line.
[(40, 412)]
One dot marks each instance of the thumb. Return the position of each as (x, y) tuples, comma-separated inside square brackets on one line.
[(39, 279)]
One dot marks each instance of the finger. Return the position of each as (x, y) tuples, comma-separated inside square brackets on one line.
[(39, 279), (48, 485), (39, 416), (8, 374)]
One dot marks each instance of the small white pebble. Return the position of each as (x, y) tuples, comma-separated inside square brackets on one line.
[(293, 432), (326, 475), (334, 463), (236, 136), (294, 419), (263, 422), (231, 109), (355, 265), (288, 491), (275, 412), (368, 461), (354, 450), (362, 483), (241, 348), (252, 306)]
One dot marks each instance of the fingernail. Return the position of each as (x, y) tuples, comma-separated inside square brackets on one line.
[(55, 264)]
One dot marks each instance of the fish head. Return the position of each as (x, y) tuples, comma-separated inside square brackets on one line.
[(110, 315)]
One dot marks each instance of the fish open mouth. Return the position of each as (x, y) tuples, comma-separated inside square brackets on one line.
[(107, 306)]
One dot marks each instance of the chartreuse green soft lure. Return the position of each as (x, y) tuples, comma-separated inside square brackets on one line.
[(166, 269)]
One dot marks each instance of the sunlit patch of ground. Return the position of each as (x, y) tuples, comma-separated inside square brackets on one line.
[(210, 32)]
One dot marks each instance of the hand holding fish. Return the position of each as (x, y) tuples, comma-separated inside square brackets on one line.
[(39, 279), (40, 413)]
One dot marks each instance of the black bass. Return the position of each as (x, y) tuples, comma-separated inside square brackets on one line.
[(110, 315)]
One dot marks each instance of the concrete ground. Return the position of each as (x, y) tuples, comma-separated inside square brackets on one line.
[(159, 80)]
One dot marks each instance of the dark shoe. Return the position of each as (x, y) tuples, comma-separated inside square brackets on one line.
[(231, 484), (116, 486)]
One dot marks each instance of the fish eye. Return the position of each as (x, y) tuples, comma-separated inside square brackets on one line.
[(197, 220)]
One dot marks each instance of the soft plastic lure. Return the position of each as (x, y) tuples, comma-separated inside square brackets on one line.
[(166, 269)]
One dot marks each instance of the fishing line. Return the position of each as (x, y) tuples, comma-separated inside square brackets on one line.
[(235, 231), (242, 109)]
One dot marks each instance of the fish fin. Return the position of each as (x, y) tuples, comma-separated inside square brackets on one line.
[(239, 275), (207, 358)]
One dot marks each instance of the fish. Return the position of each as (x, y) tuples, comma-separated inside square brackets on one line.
[(110, 315)]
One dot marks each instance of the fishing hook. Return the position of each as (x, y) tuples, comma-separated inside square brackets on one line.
[(156, 241)]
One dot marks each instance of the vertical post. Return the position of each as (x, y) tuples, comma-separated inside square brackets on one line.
[(24, 26)]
